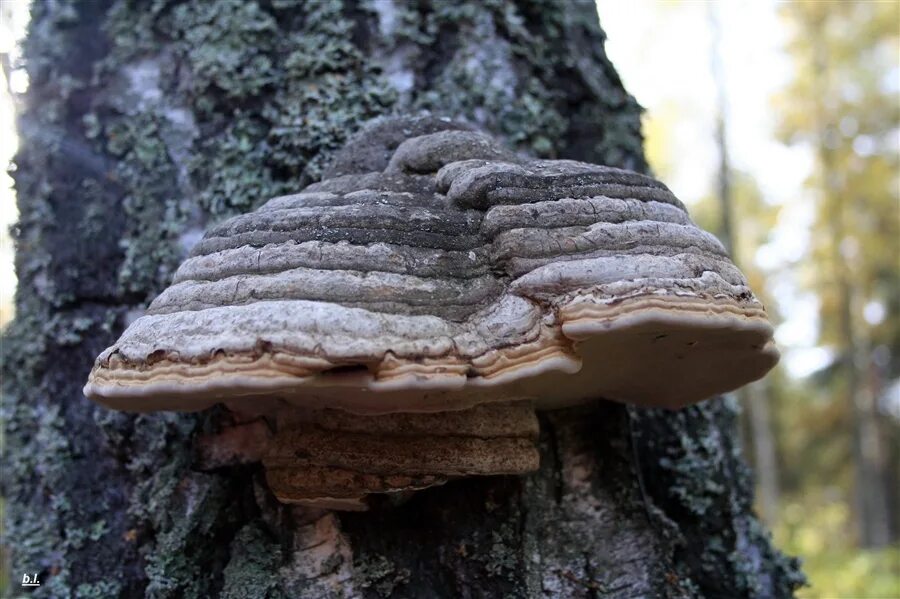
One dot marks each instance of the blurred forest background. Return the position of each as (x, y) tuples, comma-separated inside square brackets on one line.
[(779, 126)]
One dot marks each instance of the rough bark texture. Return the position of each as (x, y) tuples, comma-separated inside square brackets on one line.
[(149, 120)]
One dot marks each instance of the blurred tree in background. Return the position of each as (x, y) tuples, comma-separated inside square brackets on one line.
[(840, 430), (843, 103), (827, 457)]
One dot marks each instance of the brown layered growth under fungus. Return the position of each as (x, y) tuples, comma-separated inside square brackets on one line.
[(432, 271), (334, 459)]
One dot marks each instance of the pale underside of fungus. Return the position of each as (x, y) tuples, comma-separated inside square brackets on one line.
[(432, 292)]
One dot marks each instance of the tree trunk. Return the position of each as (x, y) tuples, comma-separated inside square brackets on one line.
[(147, 120), (754, 398)]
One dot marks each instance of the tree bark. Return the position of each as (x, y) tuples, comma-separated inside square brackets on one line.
[(147, 120)]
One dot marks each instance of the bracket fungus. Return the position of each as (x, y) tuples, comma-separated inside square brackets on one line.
[(403, 318)]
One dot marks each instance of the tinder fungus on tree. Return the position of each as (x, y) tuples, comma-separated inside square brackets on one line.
[(434, 270)]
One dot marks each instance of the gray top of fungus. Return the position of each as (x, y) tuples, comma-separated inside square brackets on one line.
[(434, 269)]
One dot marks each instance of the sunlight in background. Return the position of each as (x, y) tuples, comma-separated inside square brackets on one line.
[(663, 52), (13, 20)]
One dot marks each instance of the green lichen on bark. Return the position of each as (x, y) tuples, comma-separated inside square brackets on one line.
[(533, 72), (699, 475), (380, 575), (249, 571)]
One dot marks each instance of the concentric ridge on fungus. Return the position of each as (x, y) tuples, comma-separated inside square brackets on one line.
[(433, 270)]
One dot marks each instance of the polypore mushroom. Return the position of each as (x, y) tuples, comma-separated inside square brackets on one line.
[(405, 316)]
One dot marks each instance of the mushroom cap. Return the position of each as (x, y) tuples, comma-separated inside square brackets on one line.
[(435, 270)]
